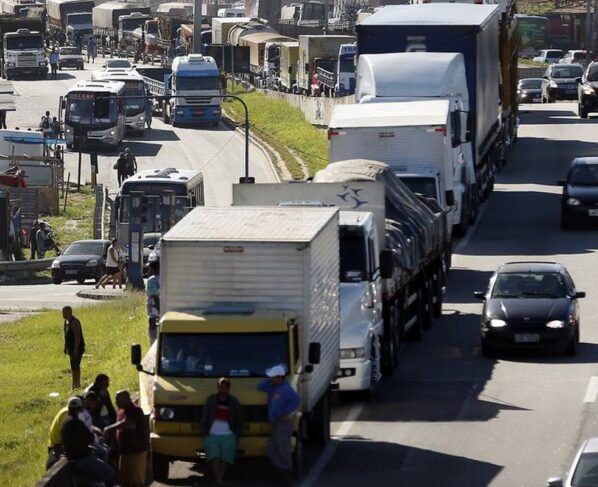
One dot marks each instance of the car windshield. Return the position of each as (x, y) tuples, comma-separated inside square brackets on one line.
[(549, 285), (85, 248), (554, 54), (568, 72), (118, 63), (69, 51), (580, 56), (584, 175), (531, 84), (586, 471), (222, 354), (150, 240)]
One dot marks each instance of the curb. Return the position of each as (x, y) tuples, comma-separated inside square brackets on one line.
[(102, 294)]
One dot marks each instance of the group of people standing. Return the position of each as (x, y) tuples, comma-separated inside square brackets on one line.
[(126, 165), (102, 443)]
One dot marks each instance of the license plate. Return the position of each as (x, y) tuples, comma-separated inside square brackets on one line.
[(593, 212), (71, 272), (527, 338), (570, 92), (536, 100)]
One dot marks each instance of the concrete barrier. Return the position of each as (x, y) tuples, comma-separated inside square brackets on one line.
[(59, 475), (24, 268)]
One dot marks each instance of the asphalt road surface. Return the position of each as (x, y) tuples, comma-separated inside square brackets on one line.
[(451, 417)]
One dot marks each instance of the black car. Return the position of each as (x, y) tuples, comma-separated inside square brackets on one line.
[(530, 305), (150, 241), (560, 82), (529, 90), (579, 202), (588, 91), (82, 260)]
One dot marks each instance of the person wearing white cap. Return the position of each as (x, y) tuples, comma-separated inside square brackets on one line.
[(282, 403)]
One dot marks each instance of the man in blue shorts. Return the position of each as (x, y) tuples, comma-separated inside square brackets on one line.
[(221, 425)]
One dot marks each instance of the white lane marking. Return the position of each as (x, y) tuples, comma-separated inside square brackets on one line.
[(465, 242), (330, 449), (592, 390)]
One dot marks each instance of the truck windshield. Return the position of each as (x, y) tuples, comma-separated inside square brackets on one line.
[(132, 24), (425, 186), (199, 83), (78, 19), (353, 265), (152, 28), (222, 354), (88, 108), (29, 42)]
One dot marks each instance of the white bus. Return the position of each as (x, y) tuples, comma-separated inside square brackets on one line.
[(94, 113), (188, 187), (134, 88)]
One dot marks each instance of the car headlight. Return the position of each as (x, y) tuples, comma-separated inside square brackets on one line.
[(553, 84), (588, 90), (573, 202), (92, 263), (142, 118), (166, 413), (112, 132), (555, 324), (494, 323), (55, 264), (349, 353), (10, 65)]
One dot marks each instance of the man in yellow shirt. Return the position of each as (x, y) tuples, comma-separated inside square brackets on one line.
[(55, 448)]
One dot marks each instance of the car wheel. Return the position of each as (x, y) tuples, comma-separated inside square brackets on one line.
[(81, 280), (57, 280), (583, 113)]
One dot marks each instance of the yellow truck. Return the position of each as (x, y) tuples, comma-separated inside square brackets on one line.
[(243, 289)]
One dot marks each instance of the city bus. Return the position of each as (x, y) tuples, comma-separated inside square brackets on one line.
[(188, 187), (532, 34), (94, 112), (134, 88)]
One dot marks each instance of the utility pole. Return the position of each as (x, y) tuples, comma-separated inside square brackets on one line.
[(593, 47), (197, 27), (588, 39)]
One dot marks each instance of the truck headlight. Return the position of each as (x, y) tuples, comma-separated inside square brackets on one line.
[(573, 202), (555, 324), (166, 413), (494, 323), (42, 63), (10, 65), (349, 353), (55, 264)]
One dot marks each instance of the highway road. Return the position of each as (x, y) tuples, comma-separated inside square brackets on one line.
[(450, 417), (219, 153)]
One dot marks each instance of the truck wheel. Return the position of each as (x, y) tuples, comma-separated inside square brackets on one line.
[(429, 304), (438, 294), (415, 333), (319, 427), (388, 344), (298, 453), (160, 467)]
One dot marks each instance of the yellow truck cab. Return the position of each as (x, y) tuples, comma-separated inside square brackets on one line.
[(247, 299)]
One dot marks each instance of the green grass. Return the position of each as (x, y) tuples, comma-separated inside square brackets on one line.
[(32, 366), (284, 128), (536, 8), (529, 62), (76, 223)]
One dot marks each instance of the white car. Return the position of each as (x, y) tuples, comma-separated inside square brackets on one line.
[(549, 56), (118, 65), (584, 470), (70, 57)]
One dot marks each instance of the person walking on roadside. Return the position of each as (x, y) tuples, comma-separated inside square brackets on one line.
[(33, 239), (55, 127), (153, 300), (54, 60), (282, 403), (46, 124), (104, 414), (91, 49), (3, 119), (221, 426), (40, 240), (121, 168), (112, 267), (77, 439), (131, 440), (131, 162), (149, 106), (74, 344)]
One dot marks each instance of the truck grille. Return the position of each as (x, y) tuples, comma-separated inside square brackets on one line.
[(198, 100), (27, 61), (192, 414)]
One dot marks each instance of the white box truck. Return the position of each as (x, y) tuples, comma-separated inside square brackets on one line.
[(398, 77), (414, 138), (243, 289)]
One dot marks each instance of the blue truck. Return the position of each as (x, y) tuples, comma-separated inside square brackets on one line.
[(469, 29), (189, 92)]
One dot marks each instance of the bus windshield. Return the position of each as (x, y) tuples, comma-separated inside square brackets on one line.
[(153, 214), (199, 83), (134, 89), (88, 108), (28, 42)]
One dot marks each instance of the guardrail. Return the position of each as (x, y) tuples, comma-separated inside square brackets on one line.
[(59, 475), (24, 268)]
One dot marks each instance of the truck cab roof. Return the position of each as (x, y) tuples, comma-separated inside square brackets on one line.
[(194, 64), (410, 113), (199, 321)]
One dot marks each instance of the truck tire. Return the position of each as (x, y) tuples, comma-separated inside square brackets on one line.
[(390, 353), (438, 294), (428, 304), (319, 425), (160, 467)]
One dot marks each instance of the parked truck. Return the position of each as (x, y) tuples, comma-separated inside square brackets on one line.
[(311, 48), (415, 254), (289, 54), (337, 78), (23, 52), (79, 24), (399, 77), (242, 289), (128, 25), (360, 282), (472, 30), (106, 21), (24, 8), (189, 91), (59, 21), (221, 27)]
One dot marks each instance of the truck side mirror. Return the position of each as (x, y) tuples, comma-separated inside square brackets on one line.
[(136, 354), (450, 198), (63, 104), (555, 482), (314, 352), (456, 129), (481, 295), (386, 263), (307, 67)]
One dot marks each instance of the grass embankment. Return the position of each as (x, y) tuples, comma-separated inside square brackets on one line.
[(76, 223), (32, 366), (535, 8), (529, 62), (283, 128)]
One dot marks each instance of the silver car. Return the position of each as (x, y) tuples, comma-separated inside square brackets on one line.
[(584, 470)]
